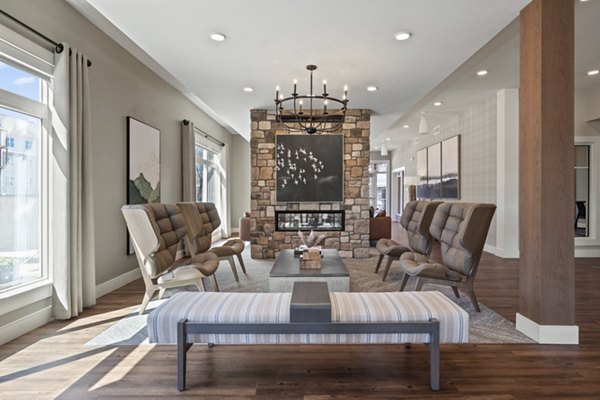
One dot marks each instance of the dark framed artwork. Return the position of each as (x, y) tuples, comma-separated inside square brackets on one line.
[(422, 186), (434, 171), (310, 168), (451, 168), (143, 165)]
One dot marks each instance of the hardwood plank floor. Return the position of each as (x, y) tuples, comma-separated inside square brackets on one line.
[(52, 362)]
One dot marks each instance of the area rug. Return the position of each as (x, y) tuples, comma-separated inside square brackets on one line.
[(486, 326)]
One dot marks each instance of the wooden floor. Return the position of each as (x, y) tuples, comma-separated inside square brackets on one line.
[(52, 362)]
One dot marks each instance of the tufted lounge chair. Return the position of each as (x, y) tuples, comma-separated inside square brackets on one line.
[(461, 229), (157, 234), (202, 220), (416, 218)]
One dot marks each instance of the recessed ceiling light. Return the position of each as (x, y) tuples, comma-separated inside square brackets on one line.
[(248, 89), (483, 72), (593, 72), (375, 147), (218, 37), (406, 126), (388, 139), (438, 103), (402, 35), (372, 88)]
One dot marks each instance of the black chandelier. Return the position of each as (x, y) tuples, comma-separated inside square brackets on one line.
[(294, 116)]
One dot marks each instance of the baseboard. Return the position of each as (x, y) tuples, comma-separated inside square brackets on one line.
[(26, 324), (586, 252), (118, 282), (548, 334), (502, 253)]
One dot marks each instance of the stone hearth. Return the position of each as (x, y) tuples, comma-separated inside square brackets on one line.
[(265, 240)]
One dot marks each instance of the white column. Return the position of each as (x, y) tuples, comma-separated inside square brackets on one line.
[(507, 167)]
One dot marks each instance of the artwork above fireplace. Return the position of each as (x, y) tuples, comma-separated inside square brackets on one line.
[(309, 220)]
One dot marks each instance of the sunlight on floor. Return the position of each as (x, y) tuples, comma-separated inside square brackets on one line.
[(98, 319), (121, 370)]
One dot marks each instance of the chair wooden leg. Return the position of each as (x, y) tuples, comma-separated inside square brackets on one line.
[(379, 262), (241, 260), (203, 285), (147, 297), (471, 294), (420, 284), (233, 268), (214, 279), (455, 290), (404, 281), (388, 265), (161, 293)]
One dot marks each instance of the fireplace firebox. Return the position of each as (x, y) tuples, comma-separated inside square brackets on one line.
[(310, 220)]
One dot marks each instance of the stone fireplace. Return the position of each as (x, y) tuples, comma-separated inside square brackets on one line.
[(265, 239)]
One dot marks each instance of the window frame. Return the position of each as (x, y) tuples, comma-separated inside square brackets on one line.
[(24, 105)]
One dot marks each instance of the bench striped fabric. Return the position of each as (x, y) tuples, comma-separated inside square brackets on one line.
[(247, 308)]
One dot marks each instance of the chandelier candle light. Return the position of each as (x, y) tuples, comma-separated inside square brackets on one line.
[(296, 118)]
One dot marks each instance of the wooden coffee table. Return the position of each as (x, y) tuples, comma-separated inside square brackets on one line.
[(287, 270)]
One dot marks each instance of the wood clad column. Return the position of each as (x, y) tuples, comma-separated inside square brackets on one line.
[(546, 177)]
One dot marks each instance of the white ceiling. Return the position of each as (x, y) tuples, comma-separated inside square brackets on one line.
[(500, 57), (271, 41)]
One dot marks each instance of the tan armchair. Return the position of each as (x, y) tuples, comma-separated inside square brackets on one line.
[(157, 233), (416, 219), (462, 229), (202, 220)]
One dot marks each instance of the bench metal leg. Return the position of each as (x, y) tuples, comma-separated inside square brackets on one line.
[(434, 355), (182, 348)]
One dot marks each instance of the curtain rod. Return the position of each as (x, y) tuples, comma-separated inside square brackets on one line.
[(206, 135), (58, 47)]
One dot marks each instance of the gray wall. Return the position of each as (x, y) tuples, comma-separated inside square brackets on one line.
[(477, 128), (120, 86), (239, 179)]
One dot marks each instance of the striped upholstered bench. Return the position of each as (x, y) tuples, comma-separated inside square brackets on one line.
[(264, 318)]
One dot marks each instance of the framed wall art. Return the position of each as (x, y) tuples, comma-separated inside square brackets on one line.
[(451, 168), (422, 186), (143, 165), (434, 171), (310, 168)]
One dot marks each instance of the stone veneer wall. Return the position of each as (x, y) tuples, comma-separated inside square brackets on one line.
[(354, 240)]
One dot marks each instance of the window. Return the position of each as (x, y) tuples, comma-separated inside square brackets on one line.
[(21, 82), (210, 176), (23, 126), (378, 178), (582, 190)]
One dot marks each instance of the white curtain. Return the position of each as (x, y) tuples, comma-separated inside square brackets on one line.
[(188, 161), (225, 197), (71, 202)]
